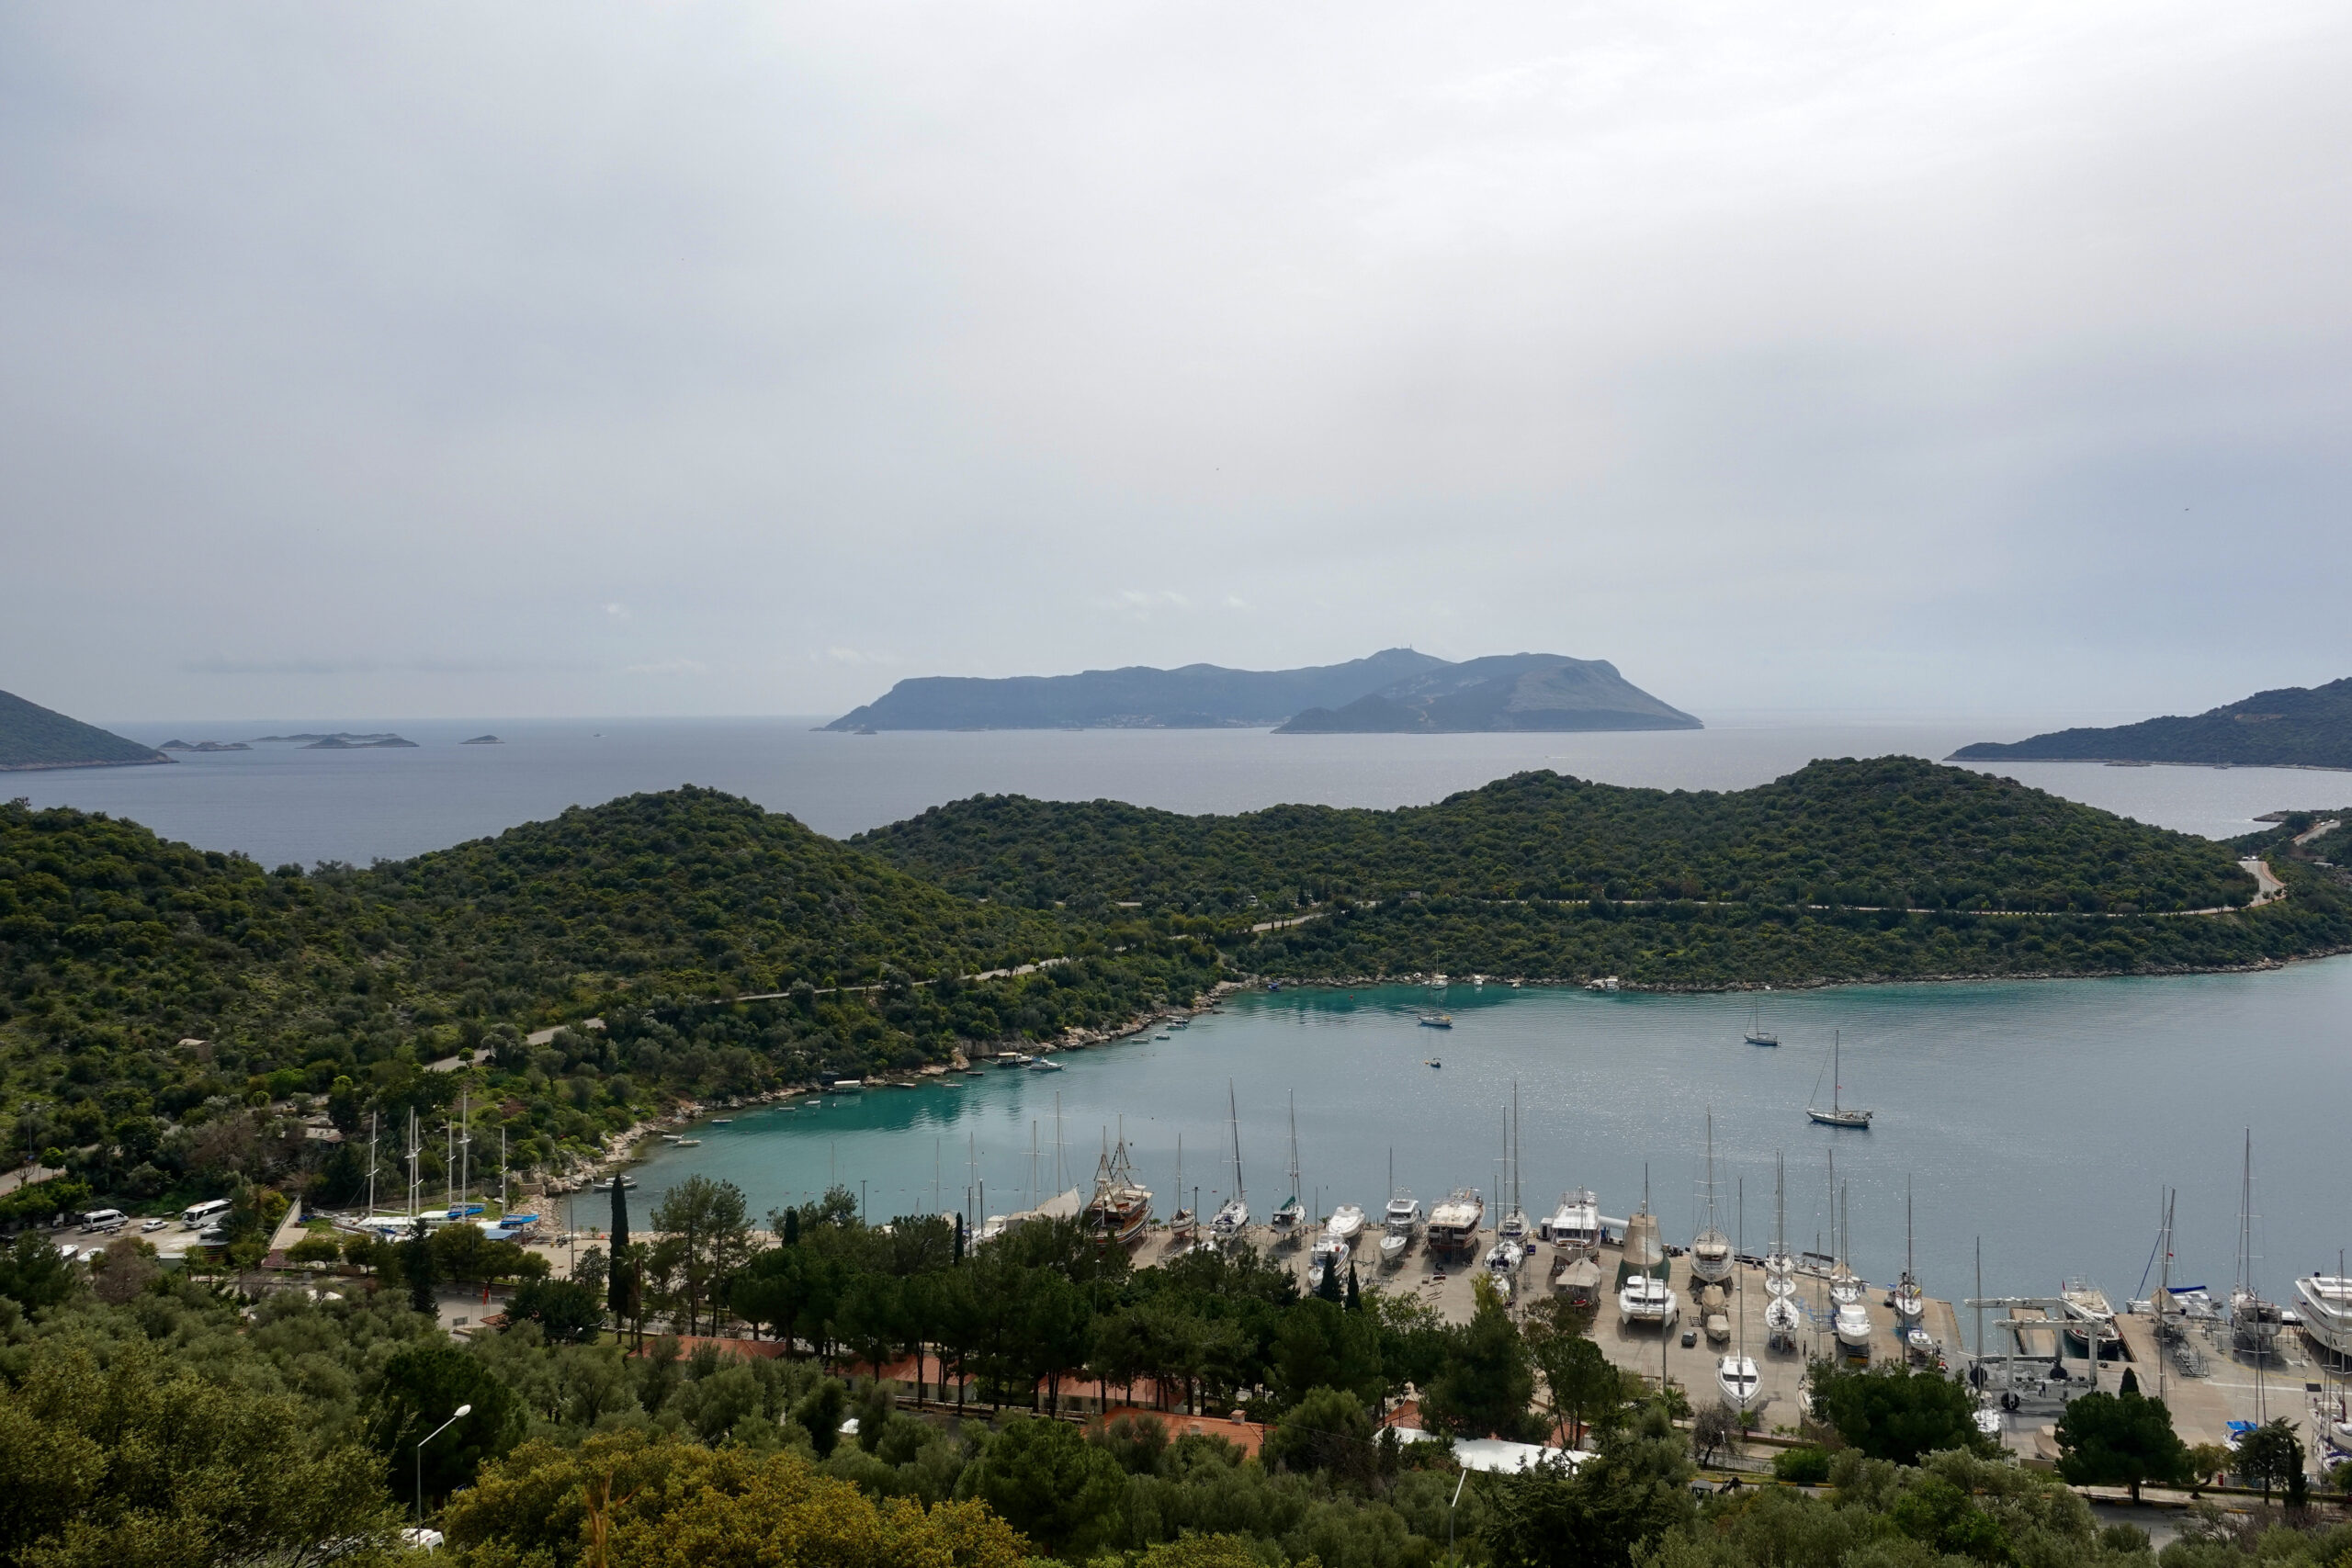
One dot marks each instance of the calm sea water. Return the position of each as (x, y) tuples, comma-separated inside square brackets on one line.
[(285, 803), (2044, 1118)]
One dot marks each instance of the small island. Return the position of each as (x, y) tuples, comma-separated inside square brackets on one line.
[(482, 740), (204, 746), (356, 743)]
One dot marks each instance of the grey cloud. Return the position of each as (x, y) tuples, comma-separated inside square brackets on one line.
[(1797, 357)]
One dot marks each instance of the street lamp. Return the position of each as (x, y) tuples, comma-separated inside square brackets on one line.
[(463, 1411)]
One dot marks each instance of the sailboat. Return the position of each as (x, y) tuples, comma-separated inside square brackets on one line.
[(1233, 1215), (2254, 1323), (1756, 1033), (1289, 1220), (1779, 1269), (1851, 1318), (1513, 1227), (1839, 1114), (1182, 1224), (1910, 1302), (1736, 1374), (1711, 1249), (1399, 1220)]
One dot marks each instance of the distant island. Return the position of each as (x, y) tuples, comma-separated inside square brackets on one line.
[(1413, 691), (482, 740), (341, 736), (2294, 726), (204, 746), (1512, 691), (33, 737), (356, 743)]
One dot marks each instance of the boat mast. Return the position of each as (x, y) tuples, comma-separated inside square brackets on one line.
[(1233, 1120), (1837, 1071), (1293, 1148)]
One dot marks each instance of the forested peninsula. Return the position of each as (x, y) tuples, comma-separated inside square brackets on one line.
[(2293, 726), (159, 1004)]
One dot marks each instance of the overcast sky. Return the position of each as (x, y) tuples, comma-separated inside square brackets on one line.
[(561, 359)]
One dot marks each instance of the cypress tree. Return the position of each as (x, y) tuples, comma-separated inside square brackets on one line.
[(616, 1278), (792, 1228), (416, 1262), (959, 1240), (1355, 1296), (1328, 1287)]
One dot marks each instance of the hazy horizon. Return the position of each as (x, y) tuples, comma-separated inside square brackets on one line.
[(725, 360)]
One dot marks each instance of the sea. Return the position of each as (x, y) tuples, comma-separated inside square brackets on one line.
[(2042, 1121)]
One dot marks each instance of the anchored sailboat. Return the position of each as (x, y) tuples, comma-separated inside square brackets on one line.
[(1839, 1114), (1756, 1033)]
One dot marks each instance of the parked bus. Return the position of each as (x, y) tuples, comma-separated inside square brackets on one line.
[(197, 1216)]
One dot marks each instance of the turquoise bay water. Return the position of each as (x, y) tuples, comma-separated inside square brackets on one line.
[(2043, 1117)]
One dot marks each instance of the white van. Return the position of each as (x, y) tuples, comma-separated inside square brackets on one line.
[(196, 1216), (99, 1219)]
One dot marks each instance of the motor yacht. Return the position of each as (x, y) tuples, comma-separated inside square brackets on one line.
[(1853, 1323), (1328, 1255), (1453, 1224), (1345, 1223), (1575, 1225), (2324, 1303)]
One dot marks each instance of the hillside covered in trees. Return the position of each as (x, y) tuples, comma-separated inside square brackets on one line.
[(1887, 831), (166, 1014), (2293, 726)]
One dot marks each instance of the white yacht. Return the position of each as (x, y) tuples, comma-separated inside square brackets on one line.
[(1502, 1266), (1391, 1248), (1345, 1223), (2324, 1303), (1403, 1213), (1736, 1377), (1854, 1330), (1645, 1300), (1575, 1225), (1782, 1323), (1909, 1300)]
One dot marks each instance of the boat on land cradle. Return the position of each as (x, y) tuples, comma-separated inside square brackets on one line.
[(2324, 1303), (1346, 1220), (1120, 1210), (1711, 1249), (1453, 1232), (1289, 1218), (1645, 1300), (1328, 1257), (2253, 1322), (1575, 1224), (1839, 1114), (1736, 1378), (1233, 1215)]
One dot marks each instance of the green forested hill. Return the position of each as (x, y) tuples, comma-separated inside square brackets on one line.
[(34, 737), (2292, 727), (1888, 832), (656, 910)]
